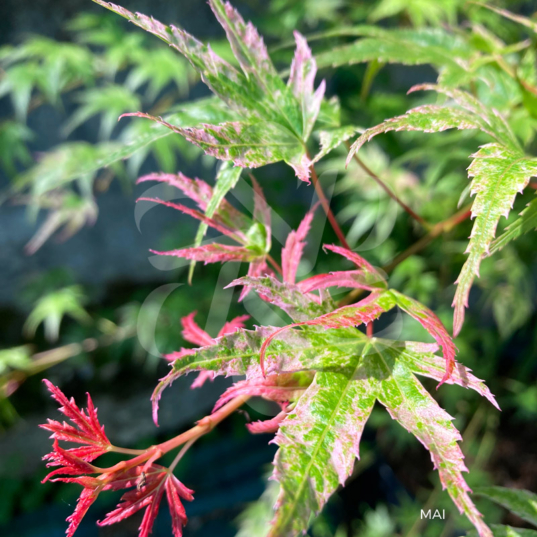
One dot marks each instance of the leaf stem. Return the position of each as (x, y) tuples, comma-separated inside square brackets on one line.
[(327, 210), (389, 191), (204, 426), (126, 451), (275, 265)]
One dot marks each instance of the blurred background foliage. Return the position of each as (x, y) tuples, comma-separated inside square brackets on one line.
[(71, 296)]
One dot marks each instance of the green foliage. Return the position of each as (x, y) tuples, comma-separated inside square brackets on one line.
[(50, 309), (521, 502)]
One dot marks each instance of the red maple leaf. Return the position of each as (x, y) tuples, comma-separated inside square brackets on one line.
[(86, 429)]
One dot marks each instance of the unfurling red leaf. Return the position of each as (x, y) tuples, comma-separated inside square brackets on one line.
[(294, 246), (157, 481), (85, 430)]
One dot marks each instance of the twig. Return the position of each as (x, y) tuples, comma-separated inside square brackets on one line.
[(389, 191), (437, 229), (203, 427), (327, 210)]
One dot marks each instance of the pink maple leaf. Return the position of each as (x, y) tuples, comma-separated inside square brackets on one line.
[(294, 246), (226, 219)]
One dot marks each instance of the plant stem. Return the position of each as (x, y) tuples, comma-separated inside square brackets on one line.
[(327, 210), (127, 451), (436, 230), (203, 426), (275, 265), (389, 191), (181, 454)]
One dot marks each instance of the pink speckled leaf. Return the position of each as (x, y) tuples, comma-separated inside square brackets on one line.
[(350, 278), (301, 80), (359, 261), (272, 126), (199, 216), (267, 426), (411, 405), (280, 388), (202, 193), (232, 326), (319, 442), (247, 144), (433, 325), (294, 246), (256, 269), (363, 312), (421, 360), (288, 297), (230, 85), (212, 253), (193, 333)]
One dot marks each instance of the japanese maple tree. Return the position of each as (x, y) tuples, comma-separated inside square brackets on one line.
[(325, 369)]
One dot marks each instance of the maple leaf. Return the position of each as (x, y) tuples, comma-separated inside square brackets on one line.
[(319, 436), (273, 120), (157, 480), (195, 335), (150, 480), (85, 430), (499, 171), (282, 388), (294, 247), (254, 236)]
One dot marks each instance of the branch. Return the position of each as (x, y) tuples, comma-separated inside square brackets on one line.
[(436, 230), (204, 426), (388, 190), (327, 210)]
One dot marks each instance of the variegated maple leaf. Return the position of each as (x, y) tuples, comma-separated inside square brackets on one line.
[(319, 433), (253, 236), (499, 171), (197, 336), (273, 120)]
